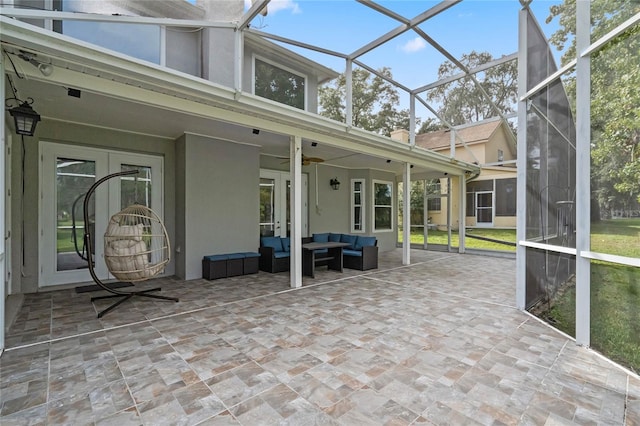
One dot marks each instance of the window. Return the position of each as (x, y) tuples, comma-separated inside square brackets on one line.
[(500, 156), (382, 206), (506, 197), (357, 205), (278, 84)]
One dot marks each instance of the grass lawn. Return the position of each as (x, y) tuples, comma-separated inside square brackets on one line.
[(440, 237), (64, 241), (615, 295), (619, 236)]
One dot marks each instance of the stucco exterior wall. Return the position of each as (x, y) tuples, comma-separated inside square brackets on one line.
[(331, 213), (220, 211)]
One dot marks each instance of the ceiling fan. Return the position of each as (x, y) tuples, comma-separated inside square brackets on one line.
[(306, 160)]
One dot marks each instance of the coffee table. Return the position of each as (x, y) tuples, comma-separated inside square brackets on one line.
[(333, 258)]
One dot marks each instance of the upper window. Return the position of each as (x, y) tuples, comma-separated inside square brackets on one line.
[(357, 205), (279, 84), (382, 206)]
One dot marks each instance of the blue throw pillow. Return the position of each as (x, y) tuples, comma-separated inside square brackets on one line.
[(286, 244), (334, 238), (321, 238), (351, 239), (364, 242), (273, 242)]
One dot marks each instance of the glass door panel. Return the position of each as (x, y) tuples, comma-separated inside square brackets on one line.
[(74, 177), (267, 207), (275, 204), (136, 189)]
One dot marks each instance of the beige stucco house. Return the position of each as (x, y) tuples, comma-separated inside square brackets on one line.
[(491, 195)]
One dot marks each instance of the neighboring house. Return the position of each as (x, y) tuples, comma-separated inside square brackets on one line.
[(491, 195), (211, 113)]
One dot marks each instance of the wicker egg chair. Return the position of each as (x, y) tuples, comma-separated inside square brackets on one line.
[(136, 248)]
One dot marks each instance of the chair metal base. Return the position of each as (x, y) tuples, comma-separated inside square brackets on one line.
[(129, 295)]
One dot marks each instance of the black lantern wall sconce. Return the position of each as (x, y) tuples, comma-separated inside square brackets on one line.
[(335, 183), (24, 116)]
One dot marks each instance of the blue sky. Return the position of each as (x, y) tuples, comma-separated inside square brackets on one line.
[(345, 25)]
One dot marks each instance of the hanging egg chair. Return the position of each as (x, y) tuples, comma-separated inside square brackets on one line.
[(136, 245), (136, 248)]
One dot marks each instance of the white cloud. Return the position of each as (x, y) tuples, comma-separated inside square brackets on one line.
[(414, 45), (278, 5)]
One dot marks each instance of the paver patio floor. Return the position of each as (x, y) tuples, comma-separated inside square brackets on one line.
[(436, 342)]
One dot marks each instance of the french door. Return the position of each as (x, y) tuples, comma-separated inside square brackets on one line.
[(275, 204), (67, 173)]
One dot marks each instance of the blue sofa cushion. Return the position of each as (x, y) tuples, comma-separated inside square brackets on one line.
[(235, 256), (274, 242), (347, 252), (215, 257), (351, 239), (364, 242), (321, 251), (250, 254), (321, 238), (286, 244), (334, 238), (281, 254)]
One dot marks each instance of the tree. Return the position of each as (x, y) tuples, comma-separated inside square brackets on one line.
[(615, 100), (462, 101), (430, 125), (375, 102)]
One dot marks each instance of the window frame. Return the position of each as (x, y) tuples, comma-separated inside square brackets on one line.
[(375, 206), (362, 192), (282, 67)]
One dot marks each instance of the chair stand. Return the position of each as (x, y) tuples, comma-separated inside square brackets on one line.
[(125, 295), (128, 295)]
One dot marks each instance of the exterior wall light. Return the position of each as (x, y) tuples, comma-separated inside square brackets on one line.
[(335, 183), (25, 119)]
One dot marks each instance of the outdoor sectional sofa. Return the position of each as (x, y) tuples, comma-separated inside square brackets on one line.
[(361, 254)]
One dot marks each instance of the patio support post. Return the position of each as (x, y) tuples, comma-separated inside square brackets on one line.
[(238, 56), (462, 201), (406, 215), (521, 191), (349, 88), (2, 210), (295, 166), (583, 173), (412, 120)]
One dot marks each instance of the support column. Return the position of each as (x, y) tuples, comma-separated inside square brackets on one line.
[(2, 211), (406, 216), (238, 57), (349, 89), (462, 187), (521, 173), (295, 167), (583, 174), (412, 120)]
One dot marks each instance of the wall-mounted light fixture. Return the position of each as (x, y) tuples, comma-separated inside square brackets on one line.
[(25, 118), (43, 67), (335, 183)]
